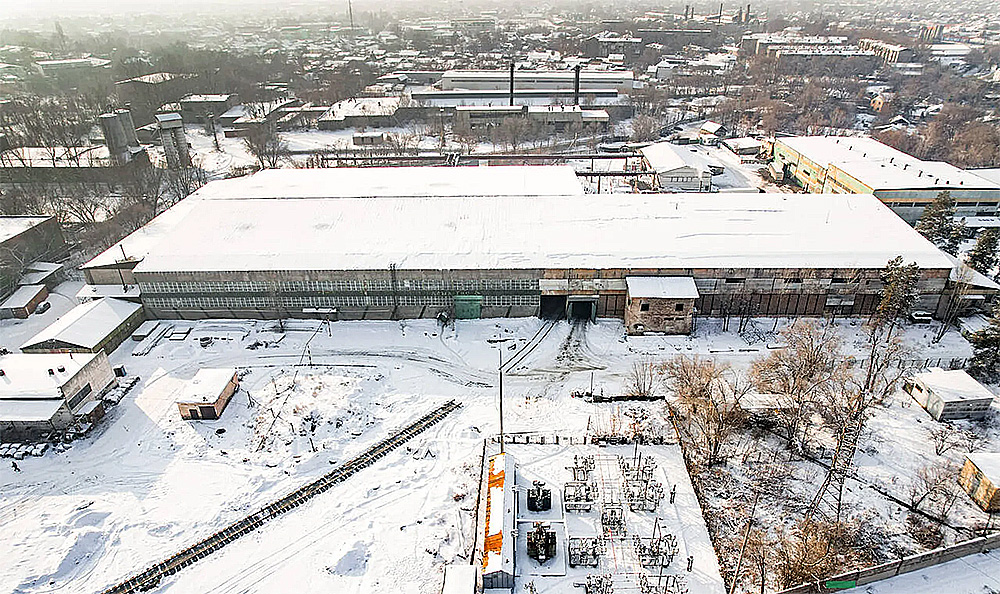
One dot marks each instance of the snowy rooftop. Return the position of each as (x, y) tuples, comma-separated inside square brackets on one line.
[(498, 545), (352, 182), (28, 411), (362, 106), (988, 463), (207, 385), (14, 226), (528, 232), (880, 166), (22, 296), (664, 157), (27, 376), (953, 385), (663, 287), (88, 324)]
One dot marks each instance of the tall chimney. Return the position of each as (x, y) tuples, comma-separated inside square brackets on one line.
[(576, 85), (512, 82), (747, 14), (720, 14)]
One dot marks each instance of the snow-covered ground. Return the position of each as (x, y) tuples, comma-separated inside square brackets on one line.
[(146, 483)]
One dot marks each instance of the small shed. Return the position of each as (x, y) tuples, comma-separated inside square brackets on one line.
[(208, 393), (23, 301), (952, 394), (980, 478), (660, 304), (99, 325), (745, 147), (42, 273)]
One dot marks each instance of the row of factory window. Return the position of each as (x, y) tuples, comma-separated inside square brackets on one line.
[(471, 286), (268, 302), (958, 204)]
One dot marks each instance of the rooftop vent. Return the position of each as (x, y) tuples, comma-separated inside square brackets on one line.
[(2, 373), (52, 371), (62, 369)]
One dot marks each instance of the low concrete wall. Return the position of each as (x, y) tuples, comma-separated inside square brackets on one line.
[(904, 565)]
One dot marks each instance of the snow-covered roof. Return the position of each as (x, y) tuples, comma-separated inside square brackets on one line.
[(347, 182), (27, 376), (28, 411), (22, 296), (207, 385), (665, 157), (988, 463), (662, 287), (880, 167), (498, 544), (87, 325), (990, 175), (15, 225), (529, 232), (953, 385)]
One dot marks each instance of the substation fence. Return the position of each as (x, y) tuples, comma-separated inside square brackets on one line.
[(916, 562), (151, 576)]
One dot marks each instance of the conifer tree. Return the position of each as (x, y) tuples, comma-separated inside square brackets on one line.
[(983, 256), (939, 226)]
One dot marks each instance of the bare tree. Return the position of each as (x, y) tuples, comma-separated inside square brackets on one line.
[(708, 403), (264, 142), (801, 375), (944, 439), (642, 380)]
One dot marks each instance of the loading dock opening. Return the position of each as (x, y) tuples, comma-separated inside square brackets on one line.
[(582, 307), (552, 307)]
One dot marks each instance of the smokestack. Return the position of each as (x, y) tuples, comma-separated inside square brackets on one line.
[(576, 85), (512, 83), (747, 14), (720, 14)]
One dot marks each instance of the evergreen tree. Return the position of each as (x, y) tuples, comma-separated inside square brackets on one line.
[(899, 292), (983, 256), (938, 223), (986, 347)]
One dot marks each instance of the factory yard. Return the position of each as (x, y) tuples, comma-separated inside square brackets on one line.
[(146, 484)]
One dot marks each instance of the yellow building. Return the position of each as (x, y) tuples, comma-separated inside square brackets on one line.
[(980, 478)]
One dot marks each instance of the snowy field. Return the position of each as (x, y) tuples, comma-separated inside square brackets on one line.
[(146, 484)]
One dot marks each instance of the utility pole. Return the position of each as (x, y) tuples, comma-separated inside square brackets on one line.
[(743, 547), (500, 371)]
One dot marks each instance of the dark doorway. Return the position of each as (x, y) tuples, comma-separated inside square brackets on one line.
[(582, 310), (207, 412), (553, 307)]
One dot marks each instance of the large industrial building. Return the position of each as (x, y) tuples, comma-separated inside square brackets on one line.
[(508, 241), (858, 165)]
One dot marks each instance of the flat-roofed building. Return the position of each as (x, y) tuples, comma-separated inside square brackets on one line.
[(499, 80), (499, 532), (505, 241), (980, 477), (861, 165), (947, 395), (40, 393), (208, 393)]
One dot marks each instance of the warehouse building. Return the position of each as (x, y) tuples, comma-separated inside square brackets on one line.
[(468, 242), (42, 393), (835, 165), (23, 240), (95, 326)]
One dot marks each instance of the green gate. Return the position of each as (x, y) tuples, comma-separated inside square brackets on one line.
[(468, 307)]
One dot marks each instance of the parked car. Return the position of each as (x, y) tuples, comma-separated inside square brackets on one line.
[(43, 307), (921, 317)]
